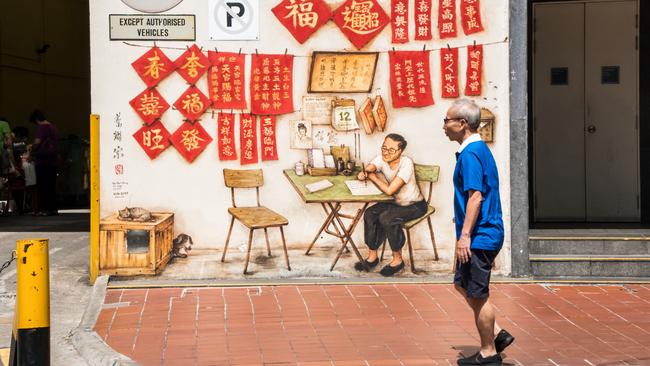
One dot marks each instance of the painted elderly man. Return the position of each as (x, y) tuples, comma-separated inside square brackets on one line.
[(479, 227), (384, 220)]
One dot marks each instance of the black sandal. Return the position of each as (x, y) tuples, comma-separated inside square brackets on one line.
[(389, 270), (359, 266)]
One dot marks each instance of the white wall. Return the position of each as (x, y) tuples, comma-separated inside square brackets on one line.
[(196, 192)]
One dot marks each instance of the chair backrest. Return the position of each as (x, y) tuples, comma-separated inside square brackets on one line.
[(235, 178), (429, 174)]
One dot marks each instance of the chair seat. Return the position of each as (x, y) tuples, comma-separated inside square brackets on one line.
[(257, 217), (410, 224)]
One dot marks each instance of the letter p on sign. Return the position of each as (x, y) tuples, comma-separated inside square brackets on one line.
[(234, 20)]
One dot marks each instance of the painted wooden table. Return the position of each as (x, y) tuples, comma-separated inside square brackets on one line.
[(332, 199)]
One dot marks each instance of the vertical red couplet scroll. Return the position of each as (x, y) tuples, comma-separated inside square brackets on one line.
[(449, 72), (248, 139)]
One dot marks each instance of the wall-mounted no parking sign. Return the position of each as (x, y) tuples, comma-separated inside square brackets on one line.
[(234, 20)]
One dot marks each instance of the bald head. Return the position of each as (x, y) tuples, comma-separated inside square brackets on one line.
[(469, 111)]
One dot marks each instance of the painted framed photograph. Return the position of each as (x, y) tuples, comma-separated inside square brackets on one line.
[(301, 134), (342, 72)]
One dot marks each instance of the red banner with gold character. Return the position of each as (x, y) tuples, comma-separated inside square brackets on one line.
[(447, 19), (153, 66), (248, 139), (360, 20), (267, 138), (302, 17), (400, 20), (271, 84), (423, 20), (192, 64), (153, 139), (149, 105), (226, 136), (192, 103), (449, 72), (190, 140), (226, 80), (474, 70), (410, 79), (470, 12)]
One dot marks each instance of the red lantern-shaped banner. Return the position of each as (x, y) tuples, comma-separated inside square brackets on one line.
[(226, 80), (153, 139), (474, 85), (149, 105), (447, 19), (400, 20), (267, 138), (470, 11), (449, 72), (192, 103), (360, 20), (192, 64), (272, 84), (226, 136), (410, 79), (302, 17), (153, 66), (190, 140), (248, 139), (423, 20)]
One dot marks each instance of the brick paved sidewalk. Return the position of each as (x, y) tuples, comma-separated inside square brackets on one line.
[(405, 324)]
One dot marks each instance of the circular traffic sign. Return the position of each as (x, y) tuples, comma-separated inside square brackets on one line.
[(233, 16)]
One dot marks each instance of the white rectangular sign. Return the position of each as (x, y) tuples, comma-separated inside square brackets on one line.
[(137, 27), (234, 20)]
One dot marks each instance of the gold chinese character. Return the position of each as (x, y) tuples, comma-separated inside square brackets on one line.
[(152, 142), (155, 66), (360, 18), (150, 105), (302, 13), (192, 103), (192, 65), (191, 139)]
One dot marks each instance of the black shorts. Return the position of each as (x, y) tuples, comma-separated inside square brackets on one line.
[(474, 276)]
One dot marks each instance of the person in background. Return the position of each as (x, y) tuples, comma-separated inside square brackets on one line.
[(6, 153), (44, 153), (479, 227)]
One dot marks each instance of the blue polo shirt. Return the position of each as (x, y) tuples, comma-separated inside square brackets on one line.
[(476, 170)]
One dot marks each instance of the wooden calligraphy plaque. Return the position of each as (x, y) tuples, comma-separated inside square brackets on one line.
[(342, 72)]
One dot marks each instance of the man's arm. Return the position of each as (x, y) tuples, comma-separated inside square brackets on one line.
[(370, 168), (472, 210), (389, 189)]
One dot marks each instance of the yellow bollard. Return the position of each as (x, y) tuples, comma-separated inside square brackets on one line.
[(94, 197), (31, 334)]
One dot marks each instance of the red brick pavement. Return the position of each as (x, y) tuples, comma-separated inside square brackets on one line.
[(401, 324)]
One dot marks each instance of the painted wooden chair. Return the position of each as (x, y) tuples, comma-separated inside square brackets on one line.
[(423, 174), (255, 217)]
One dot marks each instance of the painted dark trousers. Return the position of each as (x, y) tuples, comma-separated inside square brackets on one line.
[(384, 221)]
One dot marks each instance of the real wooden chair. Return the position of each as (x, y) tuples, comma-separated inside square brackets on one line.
[(423, 174), (255, 217)]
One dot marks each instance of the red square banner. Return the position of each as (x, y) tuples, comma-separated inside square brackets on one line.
[(271, 84), (410, 79), (248, 139), (192, 103), (302, 17), (190, 140), (226, 80), (360, 20), (268, 138), (192, 64), (149, 105), (153, 139), (449, 72), (226, 136), (153, 66)]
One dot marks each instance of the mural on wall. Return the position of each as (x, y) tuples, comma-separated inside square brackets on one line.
[(338, 98)]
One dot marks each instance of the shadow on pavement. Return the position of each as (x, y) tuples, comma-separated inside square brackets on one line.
[(63, 222)]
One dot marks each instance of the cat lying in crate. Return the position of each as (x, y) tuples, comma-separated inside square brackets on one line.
[(136, 214)]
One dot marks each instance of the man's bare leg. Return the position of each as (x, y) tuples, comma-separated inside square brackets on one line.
[(372, 255), (461, 290), (484, 318), (397, 259)]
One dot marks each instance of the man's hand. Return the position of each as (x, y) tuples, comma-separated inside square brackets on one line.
[(362, 175), (462, 248)]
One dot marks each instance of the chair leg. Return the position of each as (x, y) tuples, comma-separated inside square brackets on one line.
[(268, 246), (225, 247), (383, 248), (410, 247), (248, 251), (433, 239), (284, 246)]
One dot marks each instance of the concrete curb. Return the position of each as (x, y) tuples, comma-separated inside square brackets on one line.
[(87, 342)]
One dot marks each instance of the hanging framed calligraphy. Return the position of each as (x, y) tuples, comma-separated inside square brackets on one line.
[(192, 64), (360, 20), (190, 140), (149, 105), (226, 136), (153, 139), (226, 80), (410, 79), (342, 72), (302, 17), (271, 84), (449, 72), (268, 138), (153, 66), (248, 139)]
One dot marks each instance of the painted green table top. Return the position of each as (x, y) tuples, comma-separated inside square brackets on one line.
[(339, 192)]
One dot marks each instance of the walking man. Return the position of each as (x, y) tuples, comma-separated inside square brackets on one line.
[(479, 227)]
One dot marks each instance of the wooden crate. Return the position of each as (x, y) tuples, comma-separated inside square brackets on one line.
[(116, 259)]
